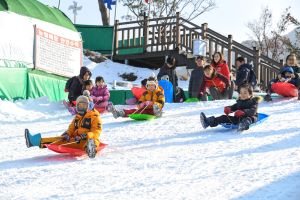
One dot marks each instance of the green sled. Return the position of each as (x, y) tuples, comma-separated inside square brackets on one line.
[(137, 116), (190, 100)]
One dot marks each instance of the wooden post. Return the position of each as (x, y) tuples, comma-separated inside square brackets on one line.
[(204, 31), (177, 31), (145, 33), (257, 65), (115, 38), (229, 56)]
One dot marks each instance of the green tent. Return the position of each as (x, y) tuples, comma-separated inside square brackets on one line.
[(18, 78)]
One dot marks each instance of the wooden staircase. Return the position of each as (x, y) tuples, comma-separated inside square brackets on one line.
[(147, 42)]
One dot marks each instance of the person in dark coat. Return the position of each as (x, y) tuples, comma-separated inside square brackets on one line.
[(244, 74), (168, 72), (196, 79), (75, 84), (245, 111)]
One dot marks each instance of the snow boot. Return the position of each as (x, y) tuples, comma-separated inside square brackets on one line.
[(214, 93), (157, 111), (110, 107), (244, 125), (90, 148), (205, 122), (268, 98), (32, 140), (118, 113)]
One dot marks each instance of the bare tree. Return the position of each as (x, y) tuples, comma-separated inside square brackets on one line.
[(294, 46), (189, 9), (104, 13), (270, 40)]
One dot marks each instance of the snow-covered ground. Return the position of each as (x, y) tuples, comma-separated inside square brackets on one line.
[(167, 158), (111, 72)]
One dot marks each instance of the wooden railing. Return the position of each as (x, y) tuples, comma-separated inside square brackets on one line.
[(176, 33)]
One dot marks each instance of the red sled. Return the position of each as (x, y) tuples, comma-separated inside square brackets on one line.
[(70, 108), (71, 151), (285, 89), (138, 92)]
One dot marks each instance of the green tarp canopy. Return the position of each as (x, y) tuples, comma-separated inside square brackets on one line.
[(35, 9)]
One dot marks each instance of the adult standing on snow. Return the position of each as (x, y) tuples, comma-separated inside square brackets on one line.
[(196, 79), (75, 84), (83, 132), (168, 72)]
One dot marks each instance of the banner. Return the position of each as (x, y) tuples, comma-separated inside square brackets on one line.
[(56, 54)]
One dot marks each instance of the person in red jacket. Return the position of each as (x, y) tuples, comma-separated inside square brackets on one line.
[(221, 67), (216, 83)]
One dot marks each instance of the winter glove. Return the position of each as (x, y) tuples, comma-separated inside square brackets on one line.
[(65, 137), (227, 110), (99, 98), (239, 113), (148, 103), (80, 137), (142, 105)]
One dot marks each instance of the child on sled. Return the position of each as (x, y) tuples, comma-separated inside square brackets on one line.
[(151, 102), (286, 75), (83, 132), (245, 111)]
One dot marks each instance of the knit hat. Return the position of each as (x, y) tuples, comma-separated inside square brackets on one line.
[(82, 104), (86, 93), (151, 82)]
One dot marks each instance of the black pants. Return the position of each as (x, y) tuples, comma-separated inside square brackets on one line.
[(217, 95), (230, 119)]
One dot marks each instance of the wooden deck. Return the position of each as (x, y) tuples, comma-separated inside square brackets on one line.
[(147, 42)]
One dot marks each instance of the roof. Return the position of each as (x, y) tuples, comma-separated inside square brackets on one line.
[(35, 9)]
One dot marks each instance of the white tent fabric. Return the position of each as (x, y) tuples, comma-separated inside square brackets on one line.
[(17, 38)]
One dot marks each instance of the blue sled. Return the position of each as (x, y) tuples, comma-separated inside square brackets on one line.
[(168, 90), (261, 117)]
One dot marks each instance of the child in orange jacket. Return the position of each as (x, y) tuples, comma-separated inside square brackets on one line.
[(151, 102), (83, 132)]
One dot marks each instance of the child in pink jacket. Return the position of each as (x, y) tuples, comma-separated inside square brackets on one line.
[(100, 93)]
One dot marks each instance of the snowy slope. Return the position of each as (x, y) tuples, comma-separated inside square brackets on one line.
[(167, 158), (111, 71)]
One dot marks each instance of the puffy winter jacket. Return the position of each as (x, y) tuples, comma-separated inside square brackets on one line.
[(217, 80), (222, 68), (245, 74), (90, 124), (74, 85), (157, 97), (249, 106), (101, 92)]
